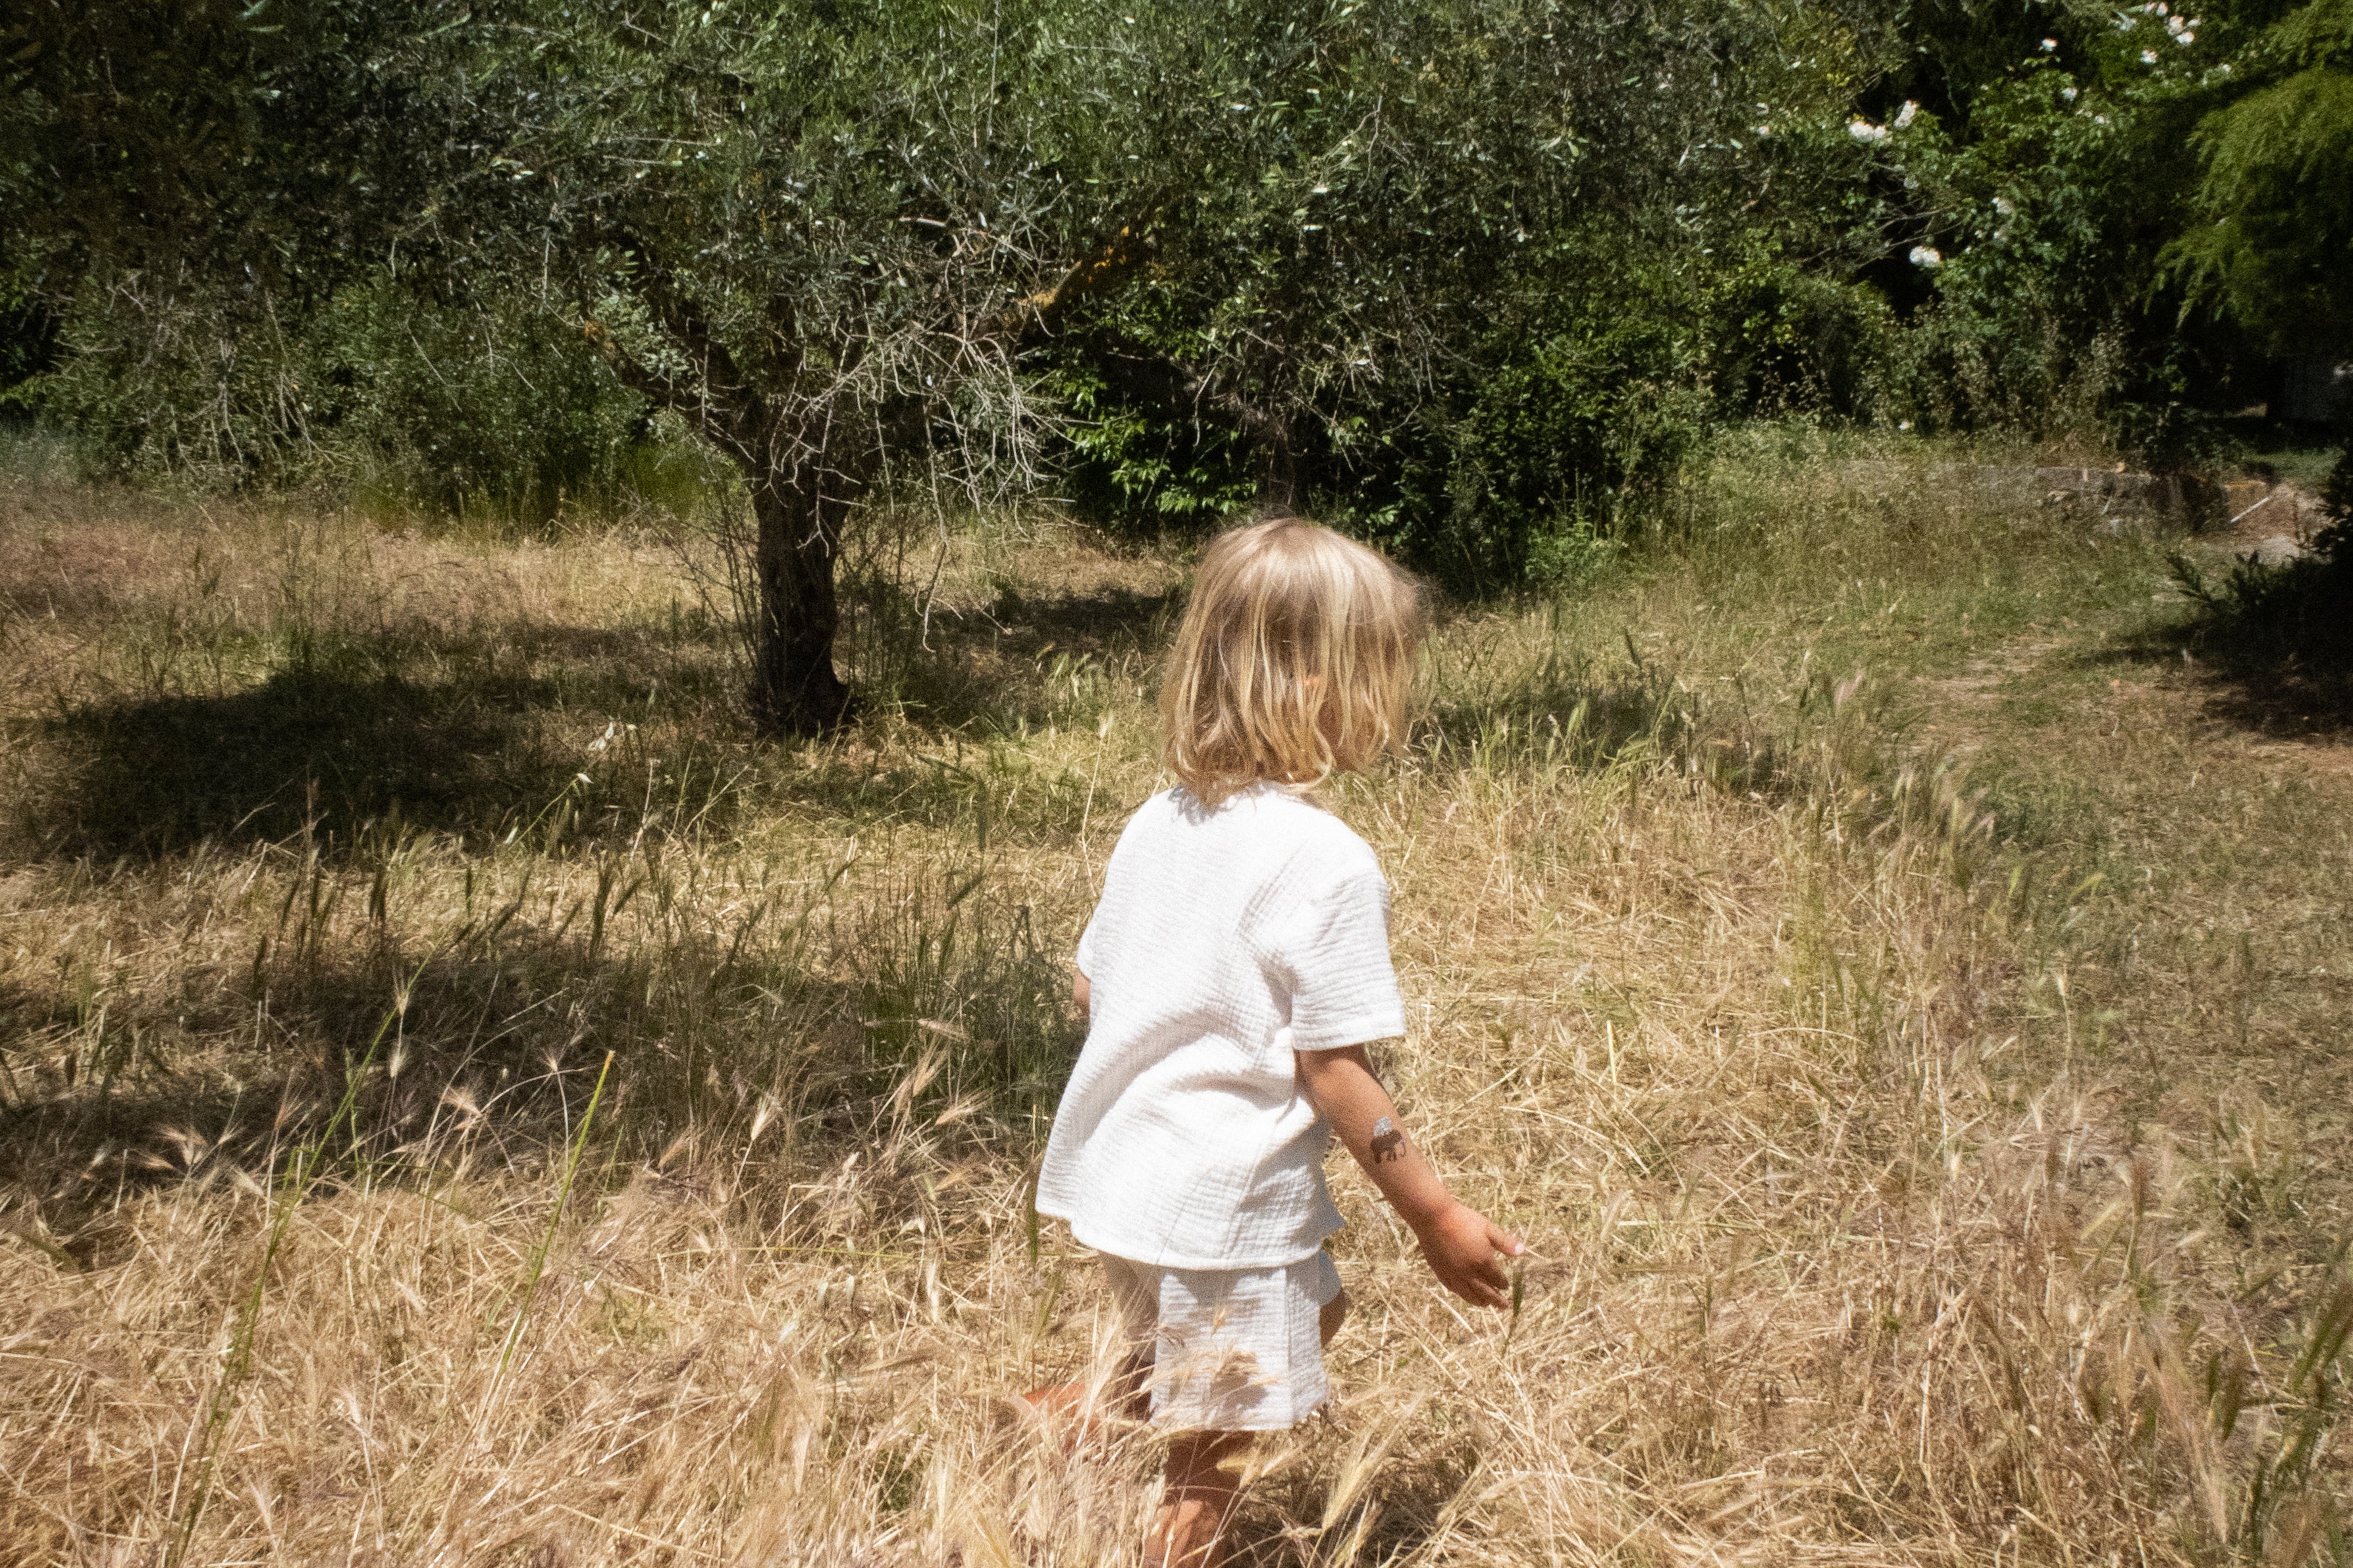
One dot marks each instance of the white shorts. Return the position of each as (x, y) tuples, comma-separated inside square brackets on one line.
[(1232, 1349)]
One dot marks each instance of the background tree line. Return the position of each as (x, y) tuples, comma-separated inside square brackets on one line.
[(1468, 276)]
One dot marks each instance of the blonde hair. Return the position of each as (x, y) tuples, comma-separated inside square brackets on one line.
[(1293, 663)]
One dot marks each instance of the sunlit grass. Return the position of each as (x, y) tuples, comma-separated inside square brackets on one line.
[(1902, 1025)]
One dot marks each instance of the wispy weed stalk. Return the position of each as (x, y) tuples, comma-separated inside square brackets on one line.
[(538, 1264), (293, 1186)]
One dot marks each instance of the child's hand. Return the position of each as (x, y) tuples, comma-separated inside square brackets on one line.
[(1459, 1244), (1461, 1248)]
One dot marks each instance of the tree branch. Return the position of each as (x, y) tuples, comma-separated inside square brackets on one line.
[(1150, 378), (1035, 316), (714, 393)]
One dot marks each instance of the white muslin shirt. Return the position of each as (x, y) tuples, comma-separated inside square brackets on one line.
[(1227, 938)]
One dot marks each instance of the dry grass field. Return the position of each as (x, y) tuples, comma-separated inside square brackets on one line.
[(468, 1101)]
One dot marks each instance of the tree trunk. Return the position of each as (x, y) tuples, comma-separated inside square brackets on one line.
[(795, 690), (1279, 488)]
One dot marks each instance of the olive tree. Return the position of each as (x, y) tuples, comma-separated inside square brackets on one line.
[(1394, 247), (833, 238), (822, 235), (182, 184)]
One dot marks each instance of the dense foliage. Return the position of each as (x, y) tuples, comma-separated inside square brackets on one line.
[(1471, 275)]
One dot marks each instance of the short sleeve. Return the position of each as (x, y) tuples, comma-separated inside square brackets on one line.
[(1103, 925), (1343, 989)]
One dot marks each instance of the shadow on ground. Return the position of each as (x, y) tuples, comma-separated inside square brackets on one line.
[(456, 737), (299, 749), (2272, 645), (989, 668), (140, 1095), (495, 1035), (449, 735), (1411, 1502)]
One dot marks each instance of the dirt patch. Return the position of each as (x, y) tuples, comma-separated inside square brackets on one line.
[(2258, 508), (1961, 711), (1960, 708)]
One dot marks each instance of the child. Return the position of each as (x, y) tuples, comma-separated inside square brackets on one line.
[(1233, 974)]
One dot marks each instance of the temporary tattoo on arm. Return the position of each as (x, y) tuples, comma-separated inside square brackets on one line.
[(1389, 1143)]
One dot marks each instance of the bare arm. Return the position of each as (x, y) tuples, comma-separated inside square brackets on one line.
[(1085, 993), (1458, 1242)]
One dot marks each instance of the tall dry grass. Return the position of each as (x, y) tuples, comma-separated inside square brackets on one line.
[(344, 866)]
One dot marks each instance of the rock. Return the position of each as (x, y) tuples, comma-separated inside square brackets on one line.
[(2279, 550)]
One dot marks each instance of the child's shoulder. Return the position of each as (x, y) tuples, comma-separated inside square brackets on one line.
[(1337, 851), (1317, 828), (1280, 828)]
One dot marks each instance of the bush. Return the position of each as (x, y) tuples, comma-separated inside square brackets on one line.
[(1562, 419), (2261, 617), (1512, 465), (1130, 466), (386, 396), (456, 410), (1794, 342)]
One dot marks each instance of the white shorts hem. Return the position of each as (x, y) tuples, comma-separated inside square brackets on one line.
[(1232, 1349)]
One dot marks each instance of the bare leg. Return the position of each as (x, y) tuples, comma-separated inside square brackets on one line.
[(1130, 1389), (1126, 1392), (1336, 1312), (1199, 1499), (1197, 1503)]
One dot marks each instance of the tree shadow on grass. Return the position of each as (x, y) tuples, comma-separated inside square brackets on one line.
[(330, 745), (2272, 645), (299, 750), (387, 1054), (351, 733), (497, 1037), (991, 668)]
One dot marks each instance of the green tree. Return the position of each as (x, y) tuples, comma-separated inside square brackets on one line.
[(1445, 273), (1466, 273), (2273, 243), (820, 234), (2275, 249), (835, 238), (183, 183)]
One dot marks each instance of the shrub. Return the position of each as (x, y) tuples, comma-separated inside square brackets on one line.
[(378, 393), (2299, 612)]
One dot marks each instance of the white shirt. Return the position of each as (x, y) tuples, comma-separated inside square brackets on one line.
[(1226, 939)]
